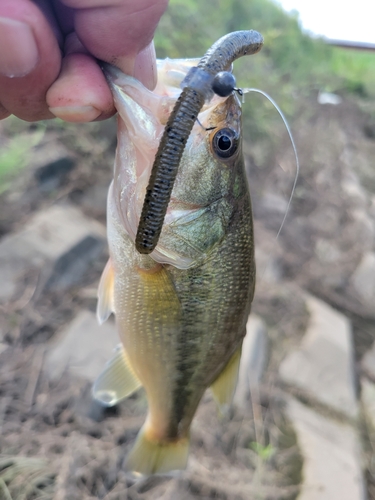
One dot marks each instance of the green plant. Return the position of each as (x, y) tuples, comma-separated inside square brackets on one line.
[(15, 153), (265, 453)]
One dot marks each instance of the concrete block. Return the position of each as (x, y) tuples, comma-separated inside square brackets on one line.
[(332, 465), (368, 402), (368, 363), (49, 238), (52, 174), (363, 278), (323, 366), (82, 348)]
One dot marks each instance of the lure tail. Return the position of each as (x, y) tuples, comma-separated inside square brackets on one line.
[(152, 457)]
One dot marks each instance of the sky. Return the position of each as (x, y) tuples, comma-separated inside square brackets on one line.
[(336, 19)]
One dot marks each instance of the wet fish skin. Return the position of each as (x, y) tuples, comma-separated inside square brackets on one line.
[(181, 312)]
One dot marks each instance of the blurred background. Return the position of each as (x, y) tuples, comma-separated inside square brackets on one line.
[(303, 420)]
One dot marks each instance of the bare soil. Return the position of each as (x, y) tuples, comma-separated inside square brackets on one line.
[(55, 443)]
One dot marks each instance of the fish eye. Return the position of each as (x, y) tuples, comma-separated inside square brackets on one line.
[(225, 142)]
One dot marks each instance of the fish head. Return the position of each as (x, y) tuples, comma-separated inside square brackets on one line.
[(210, 159), (210, 175)]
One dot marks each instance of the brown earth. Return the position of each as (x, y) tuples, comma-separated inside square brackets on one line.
[(57, 444)]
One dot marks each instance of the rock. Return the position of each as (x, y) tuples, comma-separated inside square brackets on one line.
[(327, 268), (329, 98), (323, 368), (352, 189), (94, 200), (272, 203), (52, 174), (363, 278), (368, 402), (326, 251), (332, 465), (369, 129), (82, 348), (268, 255), (371, 210), (71, 266), (253, 360), (49, 243), (361, 230), (325, 220), (269, 268), (368, 363)]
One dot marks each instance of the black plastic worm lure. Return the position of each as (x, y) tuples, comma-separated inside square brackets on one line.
[(210, 76)]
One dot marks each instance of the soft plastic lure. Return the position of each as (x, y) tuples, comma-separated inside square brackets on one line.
[(209, 77)]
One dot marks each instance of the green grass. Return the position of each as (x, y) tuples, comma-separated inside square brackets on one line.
[(356, 69), (16, 149), (289, 56)]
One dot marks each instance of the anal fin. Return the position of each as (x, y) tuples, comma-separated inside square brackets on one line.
[(105, 294), (117, 381), (224, 386)]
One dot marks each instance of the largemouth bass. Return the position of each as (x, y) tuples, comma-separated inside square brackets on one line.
[(181, 311)]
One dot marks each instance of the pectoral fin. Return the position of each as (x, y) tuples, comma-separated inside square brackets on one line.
[(105, 294), (117, 381), (224, 386)]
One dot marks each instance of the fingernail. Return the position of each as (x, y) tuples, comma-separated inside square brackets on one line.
[(145, 67), (19, 54), (76, 113)]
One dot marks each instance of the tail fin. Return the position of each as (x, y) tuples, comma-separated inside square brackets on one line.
[(151, 457)]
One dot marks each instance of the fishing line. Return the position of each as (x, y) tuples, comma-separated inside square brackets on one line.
[(246, 91)]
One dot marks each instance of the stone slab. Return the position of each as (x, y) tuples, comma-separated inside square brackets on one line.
[(368, 363), (82, 348), (368, 402), (44, 240), (363, 278), (332, 464), (253, 360), (53, 173), (323, 366)]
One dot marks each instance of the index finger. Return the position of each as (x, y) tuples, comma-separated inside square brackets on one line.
[(116, 31)]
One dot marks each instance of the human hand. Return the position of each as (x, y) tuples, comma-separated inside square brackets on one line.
[(48, 50)]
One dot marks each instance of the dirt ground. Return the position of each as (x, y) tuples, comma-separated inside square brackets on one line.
[(56, 443)]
